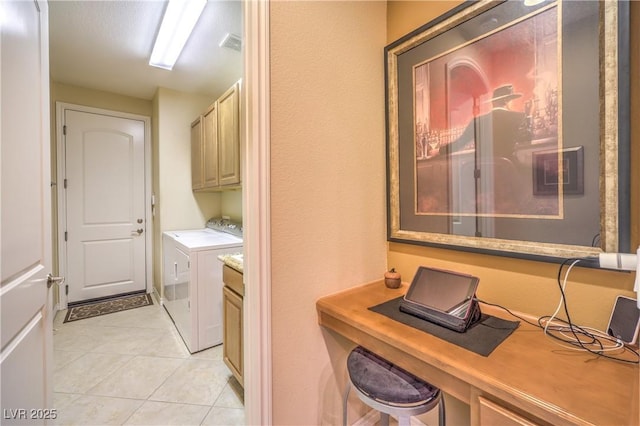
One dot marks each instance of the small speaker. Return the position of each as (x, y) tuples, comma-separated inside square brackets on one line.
[(625, 320)]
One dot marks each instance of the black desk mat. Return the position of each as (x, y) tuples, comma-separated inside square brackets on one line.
[(482, 337)]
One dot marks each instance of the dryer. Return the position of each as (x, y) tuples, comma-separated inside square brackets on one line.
[(192, 279)]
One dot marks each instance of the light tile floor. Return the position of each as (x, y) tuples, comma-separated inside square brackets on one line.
[(132, 368)]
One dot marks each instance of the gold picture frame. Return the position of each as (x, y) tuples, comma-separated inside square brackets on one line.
[(441, 77)]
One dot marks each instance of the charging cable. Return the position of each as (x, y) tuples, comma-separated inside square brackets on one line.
[(575, 337), (594, 338)]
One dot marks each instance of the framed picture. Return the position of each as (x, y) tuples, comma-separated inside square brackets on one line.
[(508, 132), (553, 173)]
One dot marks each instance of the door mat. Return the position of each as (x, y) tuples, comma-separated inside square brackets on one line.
[(107, 306)]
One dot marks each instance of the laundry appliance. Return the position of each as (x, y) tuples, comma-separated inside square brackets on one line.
[(192, 279)]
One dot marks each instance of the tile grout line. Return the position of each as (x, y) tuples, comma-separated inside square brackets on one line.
[(136, 354)]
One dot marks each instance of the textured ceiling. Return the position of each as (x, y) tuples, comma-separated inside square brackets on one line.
[(105, 45)]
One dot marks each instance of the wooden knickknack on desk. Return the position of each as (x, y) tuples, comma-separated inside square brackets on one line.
[(527, 379)]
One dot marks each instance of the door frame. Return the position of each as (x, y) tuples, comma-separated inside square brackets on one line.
[(61, 108), (256, 206)]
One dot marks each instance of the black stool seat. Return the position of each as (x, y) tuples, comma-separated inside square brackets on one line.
[(386, 383)]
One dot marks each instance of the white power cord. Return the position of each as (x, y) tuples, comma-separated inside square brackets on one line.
[(564, 285), (563, 329)]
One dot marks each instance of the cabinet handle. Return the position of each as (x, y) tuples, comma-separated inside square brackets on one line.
[(175, 271)]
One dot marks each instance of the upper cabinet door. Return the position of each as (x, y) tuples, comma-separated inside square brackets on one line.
[(197, 178), (210, 146), (229, 136), (215, 144)]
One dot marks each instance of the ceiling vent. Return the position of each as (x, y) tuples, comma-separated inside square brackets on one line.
[(231, 41)]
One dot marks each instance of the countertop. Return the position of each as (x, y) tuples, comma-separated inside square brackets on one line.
[(233, 260), (528, 372)]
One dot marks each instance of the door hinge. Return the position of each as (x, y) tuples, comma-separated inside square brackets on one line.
[(66, 290), (476, 173), (64, 130), (65, 235), (65, 184), (189, 264)]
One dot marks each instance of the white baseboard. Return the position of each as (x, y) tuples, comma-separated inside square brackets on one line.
[(156, 296), (55, 310)]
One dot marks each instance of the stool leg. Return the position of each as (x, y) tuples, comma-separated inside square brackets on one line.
[(441, 413), (384, 419), (404, 421), (344, 403)]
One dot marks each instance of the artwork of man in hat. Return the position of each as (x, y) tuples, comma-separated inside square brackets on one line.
[(496, 132)]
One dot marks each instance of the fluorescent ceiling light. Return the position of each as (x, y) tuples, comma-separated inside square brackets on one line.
[(179, 19)]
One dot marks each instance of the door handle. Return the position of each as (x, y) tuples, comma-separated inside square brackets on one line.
[(51, 280), (139, 231)]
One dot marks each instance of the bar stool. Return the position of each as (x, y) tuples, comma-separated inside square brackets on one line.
[(389, 389)]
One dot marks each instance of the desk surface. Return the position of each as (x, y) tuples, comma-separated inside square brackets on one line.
[(528, 372)]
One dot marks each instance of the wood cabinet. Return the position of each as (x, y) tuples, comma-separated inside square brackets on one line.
[(232, 306), (229, 133), (197, 178), (490, 413), (210, 139), (215, 144)]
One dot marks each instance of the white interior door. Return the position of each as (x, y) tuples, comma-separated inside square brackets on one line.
[(25, 299), (105, 205)]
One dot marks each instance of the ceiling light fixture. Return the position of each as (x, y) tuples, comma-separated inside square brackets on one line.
[(178, 22)]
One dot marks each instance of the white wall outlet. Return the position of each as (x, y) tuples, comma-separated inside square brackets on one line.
[(619, 261)]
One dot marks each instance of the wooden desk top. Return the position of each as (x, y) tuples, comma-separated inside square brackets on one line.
[(528, 372)]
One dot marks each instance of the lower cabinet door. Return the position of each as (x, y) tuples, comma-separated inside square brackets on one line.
[(232, 347), (494, 414)]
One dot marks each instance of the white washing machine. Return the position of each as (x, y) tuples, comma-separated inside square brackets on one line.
[(192, 279)]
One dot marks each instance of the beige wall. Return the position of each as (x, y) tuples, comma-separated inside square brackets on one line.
[(231, 204), (99, 99), (406, 16), (518, 284), (92, 98), (327, 189), (171, 112), (177, 206), (328, 200)]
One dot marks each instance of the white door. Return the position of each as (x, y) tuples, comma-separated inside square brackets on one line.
[(105, 205), (25, 299)]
